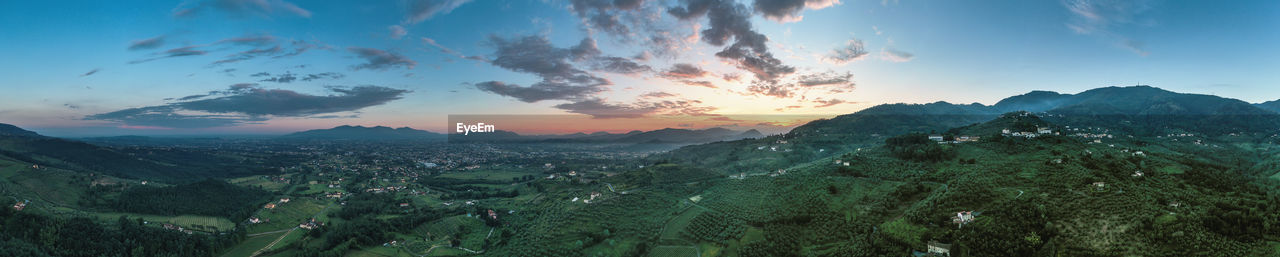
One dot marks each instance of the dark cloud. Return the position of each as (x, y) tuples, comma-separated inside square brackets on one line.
[(561, 79), (421, 10), (788, 10), (852, 50), (619, 65), (731, 20), (150, 43), (324, 75), (260, 74), (91, 72), (380, 60), (539, 91), (246, 103), (240, 8), (287, 77), (893, 55), (605, 15), (600, 110), (684, 71)]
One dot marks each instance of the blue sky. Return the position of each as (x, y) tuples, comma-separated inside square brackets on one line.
[(124, 67)]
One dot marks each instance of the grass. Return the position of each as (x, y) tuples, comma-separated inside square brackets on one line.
[(258, 181), (491, 175), (250, 245), (286, 215), (677, 225), (186, 221), (674, 251), (904, 232)]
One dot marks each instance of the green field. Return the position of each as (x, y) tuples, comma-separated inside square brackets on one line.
[(287, 215), (674, 251), (250, 245), (186, 221)]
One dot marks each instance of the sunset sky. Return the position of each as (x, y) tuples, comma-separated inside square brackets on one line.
[(221, 67)]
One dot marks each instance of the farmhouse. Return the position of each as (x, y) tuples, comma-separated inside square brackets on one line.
[(962, 218), (19, 206), (270, 206), (939, 249)]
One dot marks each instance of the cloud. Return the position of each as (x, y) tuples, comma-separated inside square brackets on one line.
[(175, 52), (894, 55), (684, 71), (770, 89), (1106, 17), (250, 40), (421, 10), (249, 54), (599, 109), (789, 10), (144, 44), (828, 78), (561, 79), (380, 60), (91, 72), (731, 20), (397, 31), (450, 51), (289, 77), (246, 103), (240, 8), (619, 65), (828, 103), (323, 75), (539, 91), (701, 83), (852, 50), (658, 94)]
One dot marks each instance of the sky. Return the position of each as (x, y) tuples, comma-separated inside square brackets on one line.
[(227, 67)]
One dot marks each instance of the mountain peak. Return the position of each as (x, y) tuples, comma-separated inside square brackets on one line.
[(11, 130)]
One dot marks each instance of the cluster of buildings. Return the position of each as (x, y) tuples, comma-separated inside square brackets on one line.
[(1028, 134)]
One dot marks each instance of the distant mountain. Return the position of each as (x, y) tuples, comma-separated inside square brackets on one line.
[(347, 132), (174, 165), (661, 136), (1270, 105), (1035, 101), (11, 130)]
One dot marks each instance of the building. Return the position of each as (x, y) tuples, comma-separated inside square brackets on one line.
[(284, 200), (270, 206), (936, 138), (939, 249), (20, 205), (962, 218)]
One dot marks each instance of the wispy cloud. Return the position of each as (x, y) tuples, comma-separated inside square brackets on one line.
[(852, 50), (149, 43), (1106, 18), (380, 60), (894, 55), (240, 8)]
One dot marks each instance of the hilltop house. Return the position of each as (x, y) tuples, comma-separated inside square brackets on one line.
[(493, 215), (284, 200), (270, 206), (936, 138), (1100, 186), (20, 205), (962, 218)]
